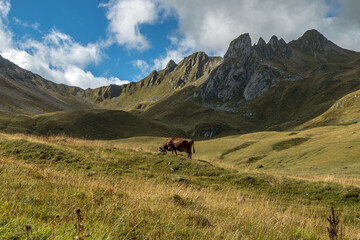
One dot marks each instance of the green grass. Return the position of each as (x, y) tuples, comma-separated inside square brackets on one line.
[(89, 124), (244, 145), (345, 111), (331, 151), (135, 194), (288, 143)]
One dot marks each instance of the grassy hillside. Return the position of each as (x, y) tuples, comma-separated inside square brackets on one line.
[(90, 124), (130, 194), (292, 103), (183, 111), (191, 71), (319, 153), (343, 112), (22, 91)]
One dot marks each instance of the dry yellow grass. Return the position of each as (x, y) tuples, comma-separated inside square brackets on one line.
[(231, 213), (137, 207)]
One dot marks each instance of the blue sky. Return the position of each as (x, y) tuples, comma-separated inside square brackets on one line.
[(90, 43), (85, 21)]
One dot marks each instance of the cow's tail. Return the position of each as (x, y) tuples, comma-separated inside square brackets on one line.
[(193, 147)]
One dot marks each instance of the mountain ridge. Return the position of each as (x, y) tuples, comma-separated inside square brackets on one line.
[(264, 86), (252, 69)]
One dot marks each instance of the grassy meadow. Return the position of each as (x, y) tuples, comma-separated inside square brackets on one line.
[(125, 189), (323, 152)]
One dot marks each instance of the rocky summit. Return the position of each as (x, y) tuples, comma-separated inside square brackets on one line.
[(249, 71)]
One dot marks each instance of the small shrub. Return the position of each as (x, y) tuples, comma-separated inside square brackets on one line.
[(352, 195), (334, 228), (181, 201), (178, 200), (199, 221), (28, 231), (79, 226)]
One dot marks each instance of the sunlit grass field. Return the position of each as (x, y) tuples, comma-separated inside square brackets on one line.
[(126, 189), (324, 151)]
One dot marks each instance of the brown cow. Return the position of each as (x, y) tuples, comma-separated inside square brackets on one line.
[(178, 144)]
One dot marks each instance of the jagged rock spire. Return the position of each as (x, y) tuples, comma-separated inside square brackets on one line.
[(261, 42), (171, 64), (239, 46), (170, 67)]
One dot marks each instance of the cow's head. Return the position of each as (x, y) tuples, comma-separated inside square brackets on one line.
[(163, 149)]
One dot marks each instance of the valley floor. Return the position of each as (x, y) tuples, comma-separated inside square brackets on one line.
[(125, 189)]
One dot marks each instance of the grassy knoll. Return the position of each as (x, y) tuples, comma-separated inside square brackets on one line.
[(128, 194)]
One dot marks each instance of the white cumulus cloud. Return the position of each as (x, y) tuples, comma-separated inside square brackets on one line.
[(125, 18), (5, 34), (4, 8)]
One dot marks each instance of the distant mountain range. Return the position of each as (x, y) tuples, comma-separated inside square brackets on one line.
[(263, 86)]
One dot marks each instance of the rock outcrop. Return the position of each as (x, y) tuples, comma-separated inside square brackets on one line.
[(238, 47), (170, 67), (192, 68), (249, 71)]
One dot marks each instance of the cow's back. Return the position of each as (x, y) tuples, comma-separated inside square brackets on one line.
[(181, 143)]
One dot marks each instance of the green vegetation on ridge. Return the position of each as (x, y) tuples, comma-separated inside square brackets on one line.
[(90, 124)]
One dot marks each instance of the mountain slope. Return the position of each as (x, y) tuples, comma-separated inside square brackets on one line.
[(24, 92), (90, 124), (271, 85), (345, 111), (265, 86), (192, 70)]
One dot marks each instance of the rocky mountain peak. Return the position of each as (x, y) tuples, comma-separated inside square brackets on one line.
[(247, 75), (170, 67), (171, 64), (195, 58), (282, 41), (151, 80), (110, 91), (273, 40), (313, 35), (274, 48), (239, 46), (261, 42), (279, 48), (313, 42), (6, 64), (193, 67)]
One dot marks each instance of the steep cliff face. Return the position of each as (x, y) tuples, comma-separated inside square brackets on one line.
[(250, 71), (245, 69)]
